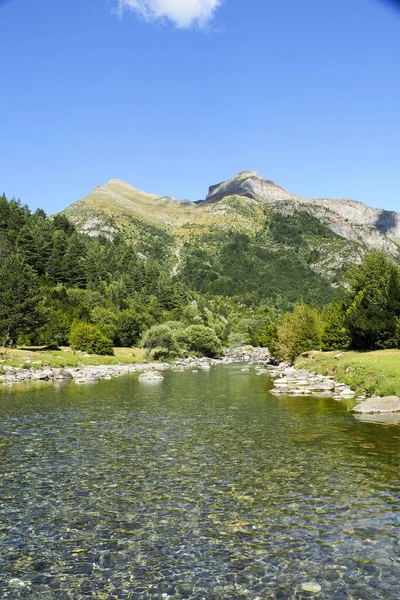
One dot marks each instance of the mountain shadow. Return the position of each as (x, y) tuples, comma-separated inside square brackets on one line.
[(386, 221)]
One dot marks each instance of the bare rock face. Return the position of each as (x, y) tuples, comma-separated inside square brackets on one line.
[(350, 219), (377, 404), (250, 185), (103, 212)]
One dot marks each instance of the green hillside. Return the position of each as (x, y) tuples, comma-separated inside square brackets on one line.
[(237, 247), (122, 267)]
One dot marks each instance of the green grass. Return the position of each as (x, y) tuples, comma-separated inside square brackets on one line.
[(373, 373), (38, 359)]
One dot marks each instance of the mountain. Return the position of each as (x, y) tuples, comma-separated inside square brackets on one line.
[(249, 238)]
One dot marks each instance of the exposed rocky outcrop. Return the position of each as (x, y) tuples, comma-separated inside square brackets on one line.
[(289, 381), (349, 219)]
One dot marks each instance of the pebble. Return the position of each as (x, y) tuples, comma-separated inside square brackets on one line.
[(313, 588)]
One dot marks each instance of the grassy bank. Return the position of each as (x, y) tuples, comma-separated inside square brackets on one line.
[(365, 372), (65, 357)]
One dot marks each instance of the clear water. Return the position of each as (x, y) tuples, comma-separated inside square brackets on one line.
[(203, 486)]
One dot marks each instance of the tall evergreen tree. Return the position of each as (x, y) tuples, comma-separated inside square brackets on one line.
[(21, 311), (373, 303), (4, 212), (74, 262)]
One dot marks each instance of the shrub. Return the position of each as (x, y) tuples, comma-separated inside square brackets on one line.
[(201, 340), (299, 332), (162, 338), (88, 338)]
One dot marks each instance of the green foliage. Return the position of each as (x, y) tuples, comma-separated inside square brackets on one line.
[(233, 284), (268, 335), (299, 332), (201, 340), (335, 334), (129, 327), (21, 309), (56, 330), (162, 338), (235, 340), (250, 269), (106, 320), (372, 307), (88, 338)]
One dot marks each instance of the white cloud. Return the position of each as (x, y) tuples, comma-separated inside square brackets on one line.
[(183, 13)]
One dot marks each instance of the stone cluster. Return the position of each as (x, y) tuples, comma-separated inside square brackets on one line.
[(299, 382)]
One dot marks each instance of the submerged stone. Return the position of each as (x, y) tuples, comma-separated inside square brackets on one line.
[(312, 588), (151, 376)]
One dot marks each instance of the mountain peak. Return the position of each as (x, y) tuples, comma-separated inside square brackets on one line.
[(251, 185)]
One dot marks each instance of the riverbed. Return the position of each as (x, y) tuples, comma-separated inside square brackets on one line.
[(203, 485)]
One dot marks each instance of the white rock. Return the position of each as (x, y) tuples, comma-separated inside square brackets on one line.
[(151, 376), (313, 588), (376, 404)]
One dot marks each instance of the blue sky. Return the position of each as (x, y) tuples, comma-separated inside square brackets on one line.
[(175, 95)]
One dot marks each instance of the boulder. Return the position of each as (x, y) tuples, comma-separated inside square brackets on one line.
[(43, 375), (62, 374), (151, 376), (378, 404)]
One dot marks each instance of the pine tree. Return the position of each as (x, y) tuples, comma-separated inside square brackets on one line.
[(4, 212), (26, 246), (55, 261), (20, 299), (74, 262)]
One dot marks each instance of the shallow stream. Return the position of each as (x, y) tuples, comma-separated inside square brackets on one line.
[(201, 486)]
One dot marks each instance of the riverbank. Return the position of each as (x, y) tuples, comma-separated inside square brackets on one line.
[(19, 366), (367, 373)]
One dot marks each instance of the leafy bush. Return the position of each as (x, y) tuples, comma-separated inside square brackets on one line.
[(201, 340), (88, 338), (299, 332), (162, 338)]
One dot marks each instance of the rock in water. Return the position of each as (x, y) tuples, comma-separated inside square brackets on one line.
[(151, 376), (313, 588), (62, 374), (377, 404)]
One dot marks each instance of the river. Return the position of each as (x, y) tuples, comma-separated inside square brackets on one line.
[(201, 486)]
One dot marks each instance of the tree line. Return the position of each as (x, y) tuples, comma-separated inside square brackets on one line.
[(367, 317), (60, 286)]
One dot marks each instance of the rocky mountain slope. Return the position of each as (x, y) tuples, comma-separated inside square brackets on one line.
[(349, 219), (249, 236)]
